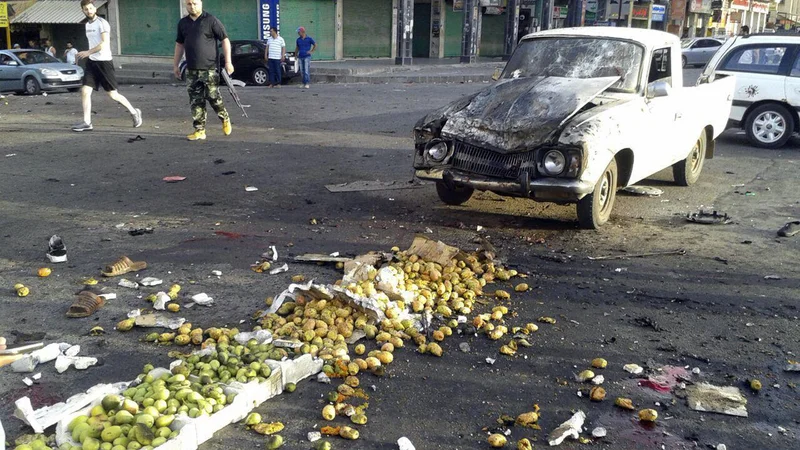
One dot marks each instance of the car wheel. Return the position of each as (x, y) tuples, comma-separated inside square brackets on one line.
[(683, 61), (594, 210), (260, 76), (32, 86), (687, 172), (769, 126), (457, 196)]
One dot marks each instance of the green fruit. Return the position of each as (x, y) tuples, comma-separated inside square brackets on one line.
[(130, 406), (142, 434), (23, 447), (158, 441), (123, 417), (90, 444), (134, 445), (164, 432), (106, 446), (79, 430), (39, 445), (97, 410), (151, 411), (123, 441), (164, 421), (145, 419), (274, 442), (148, 402), (118, 447), (290, 387), (252, 419), (322, 445), (74, 422), (111, 433), (111, 402)]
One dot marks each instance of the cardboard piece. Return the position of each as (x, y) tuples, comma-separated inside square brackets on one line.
[(430, 250), (719, 399)]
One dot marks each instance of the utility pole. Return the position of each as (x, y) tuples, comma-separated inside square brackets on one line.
[(512, 28), (469, 36), (405, 32)]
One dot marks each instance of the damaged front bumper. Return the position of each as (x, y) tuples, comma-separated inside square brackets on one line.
[(557, 190)]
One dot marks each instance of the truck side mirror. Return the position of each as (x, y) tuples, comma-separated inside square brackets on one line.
[(657, 89)]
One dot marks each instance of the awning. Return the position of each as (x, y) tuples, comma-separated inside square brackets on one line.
[(54, 11)]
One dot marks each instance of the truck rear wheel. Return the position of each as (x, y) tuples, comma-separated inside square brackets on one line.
[(456, 196), (687, 172), (769, 126), (594, 210)]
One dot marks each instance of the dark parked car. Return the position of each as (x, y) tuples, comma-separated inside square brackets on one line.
[(32, 71), (249, 64)]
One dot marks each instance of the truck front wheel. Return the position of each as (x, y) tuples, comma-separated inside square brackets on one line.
[(456, 196), (687, 172), (594, 210)]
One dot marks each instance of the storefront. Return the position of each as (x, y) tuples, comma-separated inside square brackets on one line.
[(747, 12), (61, 21), (367, 28), (698, 19)]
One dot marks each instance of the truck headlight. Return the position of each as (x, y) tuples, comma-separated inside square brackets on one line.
[(554, 162), (437, 150)]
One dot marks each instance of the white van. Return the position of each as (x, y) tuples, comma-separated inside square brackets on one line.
[(767, 95)]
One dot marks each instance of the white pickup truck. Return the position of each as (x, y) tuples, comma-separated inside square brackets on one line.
[(576, 114)]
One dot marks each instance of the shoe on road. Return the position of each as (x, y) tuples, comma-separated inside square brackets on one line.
[(306, 86), (227, 128), (137, 118), (198, 135), (83, 126)]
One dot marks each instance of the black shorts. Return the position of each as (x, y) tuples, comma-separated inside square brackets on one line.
[(100, 73)]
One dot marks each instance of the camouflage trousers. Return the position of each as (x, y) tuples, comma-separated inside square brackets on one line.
[(204, 85)]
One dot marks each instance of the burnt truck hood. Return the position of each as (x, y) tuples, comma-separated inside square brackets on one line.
[(516, 114)]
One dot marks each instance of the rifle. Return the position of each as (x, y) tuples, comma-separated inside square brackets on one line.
[(232, 90)]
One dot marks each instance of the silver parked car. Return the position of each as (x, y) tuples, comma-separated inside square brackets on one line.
[(698, 51), (32, 71)]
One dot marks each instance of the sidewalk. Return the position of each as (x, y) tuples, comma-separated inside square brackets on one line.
[(423, 70)]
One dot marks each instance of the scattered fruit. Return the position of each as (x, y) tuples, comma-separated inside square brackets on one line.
[(648, 415), (497, 440), (44, 272), (599, 363)]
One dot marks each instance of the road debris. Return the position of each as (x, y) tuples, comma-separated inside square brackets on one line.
[(706, 218), (250, 189), (141, 231), (633, 368), (496, 440), (792, 366), (648, 415), (277, 270), (57, 250), (150, 281), (316, 257), (643, 190), (679, 251), (624, 403), (85, 305), (201, 299), (599, 363), (773, 277), (173, 178), (572, 428), (405, 444), (724, 400), (360, 186), (599, 432)]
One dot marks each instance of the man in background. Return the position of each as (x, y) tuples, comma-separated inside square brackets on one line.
[(276, 52), (70, 53), (304, 49)]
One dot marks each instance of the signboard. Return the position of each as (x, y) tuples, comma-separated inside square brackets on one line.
[(640, 12), (700, 6), (560, 12), (759, 7), (677, 11), (3, 15), (659, 11), (269, 16)]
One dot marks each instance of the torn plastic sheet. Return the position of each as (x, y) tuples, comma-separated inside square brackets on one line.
[(159, 321), (261, 336), (151, 281), (289, 293), (571, 428), (719, 399), (134, 313), (201, 299), (48, 416), (277, 270), (80, 362), (29, 362), (128, 284), (161, 301), (285, 343)]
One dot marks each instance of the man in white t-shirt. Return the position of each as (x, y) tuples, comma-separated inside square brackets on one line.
[(71, 53), (99, 68), (275, 54)]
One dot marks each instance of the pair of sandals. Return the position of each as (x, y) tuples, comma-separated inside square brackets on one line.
[(88, 302)]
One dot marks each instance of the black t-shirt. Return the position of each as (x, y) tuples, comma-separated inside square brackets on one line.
[(199, 38)]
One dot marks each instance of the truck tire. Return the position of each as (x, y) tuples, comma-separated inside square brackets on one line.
[(687, 171), (769, 126), (31, 86), (457, 196), (594, 210)]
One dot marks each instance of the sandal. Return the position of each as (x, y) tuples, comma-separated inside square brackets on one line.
[(123, 266), (790, 229), (86, 304)]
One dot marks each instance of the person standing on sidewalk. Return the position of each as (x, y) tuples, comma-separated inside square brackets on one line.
[(48, 48), (70, 53), (198, 34), (276, 53), (99, 68), (305, 47)]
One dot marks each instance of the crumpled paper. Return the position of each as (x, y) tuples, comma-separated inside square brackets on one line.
[(571, 428), (719, 399)]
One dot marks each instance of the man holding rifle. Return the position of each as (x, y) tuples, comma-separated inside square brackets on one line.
[(198, 34)]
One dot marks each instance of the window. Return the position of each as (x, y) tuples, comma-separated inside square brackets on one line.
[(660, 66), (709, 43), (762, 59), (4, 60), (796, 67)]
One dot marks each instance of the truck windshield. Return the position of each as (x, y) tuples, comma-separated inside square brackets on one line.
[(578, 57)]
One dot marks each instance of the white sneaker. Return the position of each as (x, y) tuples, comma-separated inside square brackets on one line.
[(137, 118), (307, 86)]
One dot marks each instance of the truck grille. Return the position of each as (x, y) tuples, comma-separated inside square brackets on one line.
[(470, 158)]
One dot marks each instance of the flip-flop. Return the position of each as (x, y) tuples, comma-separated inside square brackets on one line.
[(123, 266), (85, 305), (790, 229)]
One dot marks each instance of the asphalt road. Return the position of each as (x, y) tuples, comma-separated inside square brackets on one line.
[(711, 308)]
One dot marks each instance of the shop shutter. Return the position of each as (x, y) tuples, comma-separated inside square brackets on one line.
[(240, 17), (453, 26), (367, 28), (493, 30), (318, 17), (148, 27)]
